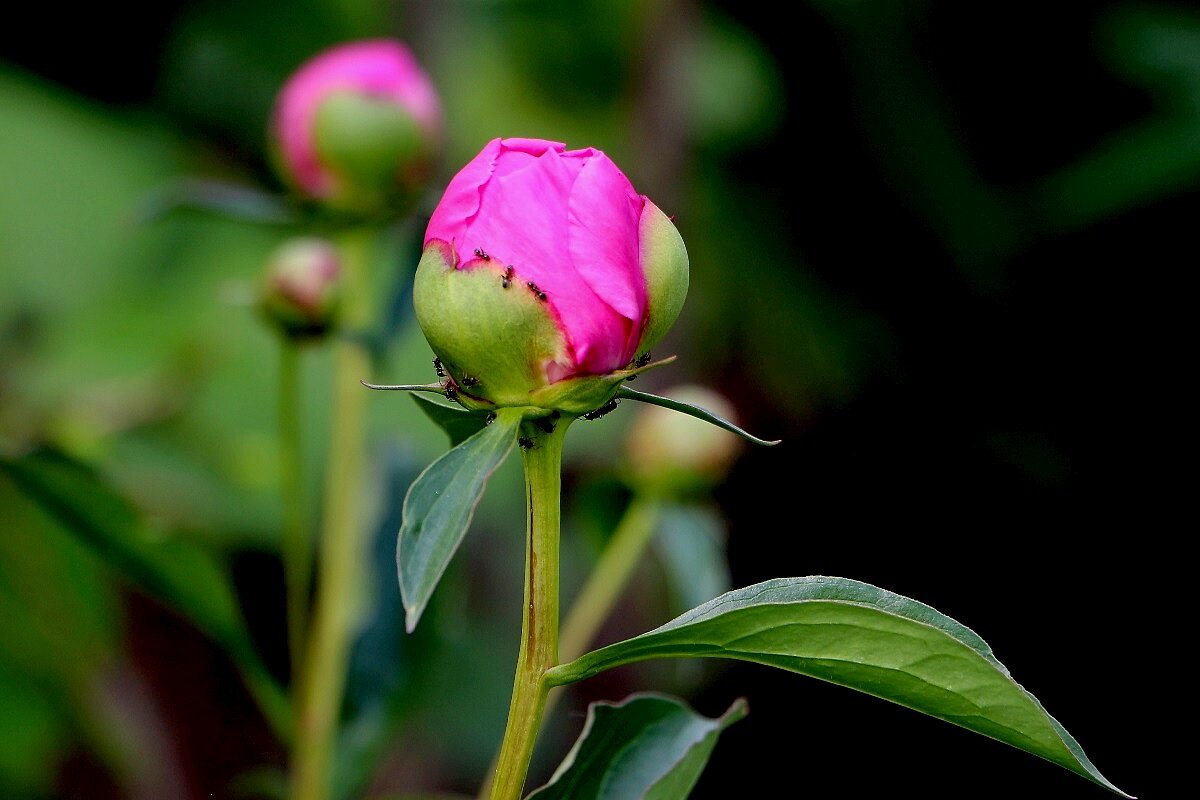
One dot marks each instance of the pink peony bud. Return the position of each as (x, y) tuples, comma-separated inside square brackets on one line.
[(301, 290), (358, 126), (542, 266)]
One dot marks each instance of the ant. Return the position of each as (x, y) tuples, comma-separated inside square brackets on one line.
[(607, 408), (469, 380), (546, 424), (490, 418), (481, 253), (451, 393), (525, 442), (437, 367), (642, 360), (506, 281), (538, 293)]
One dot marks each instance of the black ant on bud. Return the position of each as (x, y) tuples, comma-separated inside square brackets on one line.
[(490, 418), (481, 253), (525, 442), (451, 393), (470, 380), (642, 360), (538, 293), (506, 281), (437, 367), (607, 408)]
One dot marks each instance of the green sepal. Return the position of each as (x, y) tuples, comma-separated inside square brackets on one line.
[(584, 393), (665, 262), (648, 746), (439, 505), (865, 638), (625, 393), (494, 342), (458, 424)]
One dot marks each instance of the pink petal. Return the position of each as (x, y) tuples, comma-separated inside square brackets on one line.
[(568, 222), (604, 236)]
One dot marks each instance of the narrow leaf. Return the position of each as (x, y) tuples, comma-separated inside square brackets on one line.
[(692, 411), (458, 423), (648, 746), (857, 635), (439, 507), (432, 388)]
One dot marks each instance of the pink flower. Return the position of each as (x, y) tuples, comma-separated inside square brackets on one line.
[(564, 236), (370, 96)]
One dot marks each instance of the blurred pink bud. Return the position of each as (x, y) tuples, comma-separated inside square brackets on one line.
[(301, 290), (606, 267), (359, 125)]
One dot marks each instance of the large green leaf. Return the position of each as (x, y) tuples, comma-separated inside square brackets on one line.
[(648, 746), (863, 637), (439, 507)]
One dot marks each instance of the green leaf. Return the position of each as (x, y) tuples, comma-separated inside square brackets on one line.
[(857, 635), (625, 393), (439, 506), (648, 746), (459, 424)]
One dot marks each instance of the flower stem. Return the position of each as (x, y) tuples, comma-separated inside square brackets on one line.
[(295, 545), (539, 627), (339, 572), (606, 583)]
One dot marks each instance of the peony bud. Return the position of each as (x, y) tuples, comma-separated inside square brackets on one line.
[(359, 126), (544, 275), (668, 450), (301, 290)]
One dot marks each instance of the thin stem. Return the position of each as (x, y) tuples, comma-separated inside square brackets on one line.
[(339, 573), (539, 627), (295, 544)]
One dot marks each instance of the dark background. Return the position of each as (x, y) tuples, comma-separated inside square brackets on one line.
[(936, 248)]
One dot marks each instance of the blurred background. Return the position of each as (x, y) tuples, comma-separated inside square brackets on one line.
[(935, 247)]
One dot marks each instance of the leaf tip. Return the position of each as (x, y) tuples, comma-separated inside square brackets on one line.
[(412, 615), (736, 712)]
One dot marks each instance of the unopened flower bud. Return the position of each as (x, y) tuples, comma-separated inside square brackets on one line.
[(545, 274), (358, 127), (301, 290), (672, 451)]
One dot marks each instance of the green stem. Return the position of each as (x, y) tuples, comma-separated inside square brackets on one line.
[(295, 545), (339, 573), (539, 627)]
